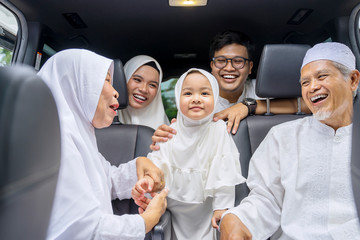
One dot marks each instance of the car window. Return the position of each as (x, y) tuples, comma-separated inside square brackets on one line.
[(168, 97), (8, 34)]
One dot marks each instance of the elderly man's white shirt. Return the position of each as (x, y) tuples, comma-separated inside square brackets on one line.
[(248, 92), (300, 181)]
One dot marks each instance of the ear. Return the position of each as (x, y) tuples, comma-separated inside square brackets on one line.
[(251, 64), (212, 66), (354, 78)]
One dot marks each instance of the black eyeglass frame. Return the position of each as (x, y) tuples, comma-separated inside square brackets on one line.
[(231, 60)]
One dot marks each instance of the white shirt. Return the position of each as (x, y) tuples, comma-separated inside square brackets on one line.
[(248, 92), (300, 180)]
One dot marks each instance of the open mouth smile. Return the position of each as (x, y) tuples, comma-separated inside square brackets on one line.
[(318, 98), (139, 98)]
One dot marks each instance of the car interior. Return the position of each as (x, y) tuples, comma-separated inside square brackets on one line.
[(178, 37)]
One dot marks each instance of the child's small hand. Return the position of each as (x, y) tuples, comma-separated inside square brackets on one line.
[(216, 218), (142, 186)]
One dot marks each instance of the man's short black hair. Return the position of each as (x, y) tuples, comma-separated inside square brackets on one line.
[(229, 37)]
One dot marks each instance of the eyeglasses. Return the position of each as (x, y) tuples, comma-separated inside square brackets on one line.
[(236, 62)]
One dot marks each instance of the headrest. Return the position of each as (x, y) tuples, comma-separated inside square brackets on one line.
[(279, 71), (119, 83)]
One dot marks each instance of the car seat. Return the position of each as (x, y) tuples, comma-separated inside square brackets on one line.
[(278, 77), (355, 154), (30, 152), (120, 143)]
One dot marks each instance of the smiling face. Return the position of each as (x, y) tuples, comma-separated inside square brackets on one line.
[(107, 105), (231, 81), (143, 86), (196, 97), (327, 93)]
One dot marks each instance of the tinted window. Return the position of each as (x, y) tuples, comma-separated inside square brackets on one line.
[(168, 97), (8, 34)]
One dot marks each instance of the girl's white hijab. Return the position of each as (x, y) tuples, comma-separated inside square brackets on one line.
[(201, 157), (76, 78), (215, 89), (152, 115)]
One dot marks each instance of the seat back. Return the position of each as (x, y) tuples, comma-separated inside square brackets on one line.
[(355, 154), (278, 77), (30, 152), (119, 83), (119, 144)]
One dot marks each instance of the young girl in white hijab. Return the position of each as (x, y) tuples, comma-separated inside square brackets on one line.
[(81, 82), (200, 163), (143, 76)]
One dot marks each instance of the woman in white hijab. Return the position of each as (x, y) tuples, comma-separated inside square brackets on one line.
[(200, 163), (143, 76), (81, 82)]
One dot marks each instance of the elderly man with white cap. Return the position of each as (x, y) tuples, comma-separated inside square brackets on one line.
[(299, 176)]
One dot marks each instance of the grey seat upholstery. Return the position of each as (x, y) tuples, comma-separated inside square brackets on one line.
[(120, 143), (355, 154), (278, 77), (30, 151)]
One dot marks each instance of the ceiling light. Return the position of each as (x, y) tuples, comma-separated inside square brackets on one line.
[(187, 3), (299, 16)]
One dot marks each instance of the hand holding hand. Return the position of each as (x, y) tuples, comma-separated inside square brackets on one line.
[(143, 186), (155, 209), (145, 167)]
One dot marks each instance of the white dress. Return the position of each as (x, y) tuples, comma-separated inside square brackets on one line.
[(201, 168), (87, 183), (300, 180)]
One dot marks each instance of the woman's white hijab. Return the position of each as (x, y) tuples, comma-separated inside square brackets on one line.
[(152, 115), (76, 78), (201, 157)]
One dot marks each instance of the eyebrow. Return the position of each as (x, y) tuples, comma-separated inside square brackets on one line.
[(322, 71), (135, 75), (202, 88), (157, 83)]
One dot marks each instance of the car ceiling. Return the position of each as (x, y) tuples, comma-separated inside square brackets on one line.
[(125, 28)]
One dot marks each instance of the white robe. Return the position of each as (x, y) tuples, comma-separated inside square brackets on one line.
[(248, 92), (300, 180), (87, 183), (201, 168)]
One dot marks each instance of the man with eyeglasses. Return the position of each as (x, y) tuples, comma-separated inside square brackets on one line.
[(230, 53), (231, 63)]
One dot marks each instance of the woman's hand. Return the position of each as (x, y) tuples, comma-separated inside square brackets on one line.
[(155, 209), (145, 167)]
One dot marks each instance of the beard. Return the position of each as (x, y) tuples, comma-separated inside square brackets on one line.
[(321, 116)]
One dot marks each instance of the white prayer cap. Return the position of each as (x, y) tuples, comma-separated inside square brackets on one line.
[(332, 51)]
